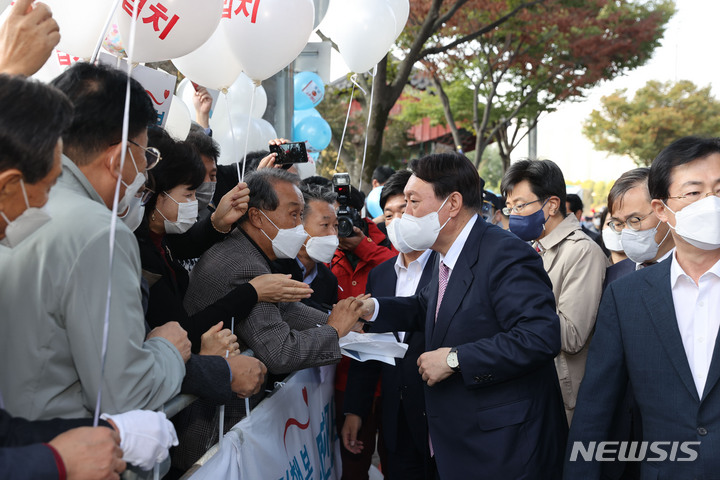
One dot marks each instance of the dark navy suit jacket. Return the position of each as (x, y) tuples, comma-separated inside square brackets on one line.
[(22, 455), (402, 383), (618, 270), (637, 338), (502, 416)]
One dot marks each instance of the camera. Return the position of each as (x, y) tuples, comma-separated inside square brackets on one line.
[(347, 216)]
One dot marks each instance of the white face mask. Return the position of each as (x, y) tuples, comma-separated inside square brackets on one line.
[(611, 239), (398, 243), (322, 249), (699, 223), (132, 189), (24, 225), (204, 194), (186, 216), (288, 241), (133, 217), (416, 233), (640, 246)]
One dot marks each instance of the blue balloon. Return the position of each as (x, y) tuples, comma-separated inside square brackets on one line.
[(300, 115), (309, 90), (315, 131)]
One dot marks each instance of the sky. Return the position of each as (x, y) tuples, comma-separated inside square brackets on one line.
[(688, 52)]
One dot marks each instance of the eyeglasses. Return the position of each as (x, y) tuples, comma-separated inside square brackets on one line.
[(147, 194), (152, 155), (487, 207), (691, 197), (633, 223), (518, 208)]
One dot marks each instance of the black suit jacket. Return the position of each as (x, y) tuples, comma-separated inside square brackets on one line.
[(402, 384), (502, 415)]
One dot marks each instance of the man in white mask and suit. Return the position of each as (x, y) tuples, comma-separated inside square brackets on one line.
[(657, 328)]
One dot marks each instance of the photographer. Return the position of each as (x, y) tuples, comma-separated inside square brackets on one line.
[(353, 260)]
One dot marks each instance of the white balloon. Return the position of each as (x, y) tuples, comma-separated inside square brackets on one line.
[(178, 121), (185, 92), (183, 27), (401, 9), (81, 24), (267, 131), (369, 31), (213, 64), (231, 150), (328, 25), (240, 94), (271, 35)]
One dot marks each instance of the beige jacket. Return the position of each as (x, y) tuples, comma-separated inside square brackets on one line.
[(576, 266)]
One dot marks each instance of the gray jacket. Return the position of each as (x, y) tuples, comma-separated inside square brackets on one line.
[(53, 289), (285, 336)]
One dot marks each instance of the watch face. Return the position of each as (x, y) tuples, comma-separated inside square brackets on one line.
[(452, 360)]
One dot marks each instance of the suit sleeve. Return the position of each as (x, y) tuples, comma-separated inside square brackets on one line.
[(238, 303), (287, 336), (580, 295), (193, 243), (208, 376), (403, 314), (138, 373), (33, 462), (524, 306), (601, 390), (18, 432)]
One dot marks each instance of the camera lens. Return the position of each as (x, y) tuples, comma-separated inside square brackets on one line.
[(345, 227)]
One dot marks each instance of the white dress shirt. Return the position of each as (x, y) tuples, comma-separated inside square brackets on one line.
[(408, 277), (696, 310)]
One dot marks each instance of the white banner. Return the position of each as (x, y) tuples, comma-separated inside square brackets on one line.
[(291, 435)]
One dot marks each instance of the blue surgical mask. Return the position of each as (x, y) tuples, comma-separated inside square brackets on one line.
[(530, 227)]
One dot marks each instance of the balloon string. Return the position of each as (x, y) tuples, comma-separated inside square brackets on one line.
[(347, 117), (114, 218), (247, 135), (353, 79), (226, 93), (372, 91), (96, 52)]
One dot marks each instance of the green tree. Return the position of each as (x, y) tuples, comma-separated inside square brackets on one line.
[(540, 57), (658, 114)]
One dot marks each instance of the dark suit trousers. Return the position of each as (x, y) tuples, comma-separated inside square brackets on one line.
[(355, 467), (407, 462)]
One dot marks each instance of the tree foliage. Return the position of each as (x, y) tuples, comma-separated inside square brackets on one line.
[(657, 114), (546, 54)]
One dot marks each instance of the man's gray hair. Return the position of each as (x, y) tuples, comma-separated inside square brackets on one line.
[(262, 188), (317, 192)]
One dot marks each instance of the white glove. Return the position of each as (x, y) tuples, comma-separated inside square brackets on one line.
[(145, 436)]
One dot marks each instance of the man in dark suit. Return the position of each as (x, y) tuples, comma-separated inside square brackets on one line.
[(491, 332), (402, 402), (658, 328)]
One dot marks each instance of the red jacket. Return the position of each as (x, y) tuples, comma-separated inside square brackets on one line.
[(351, 282)]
